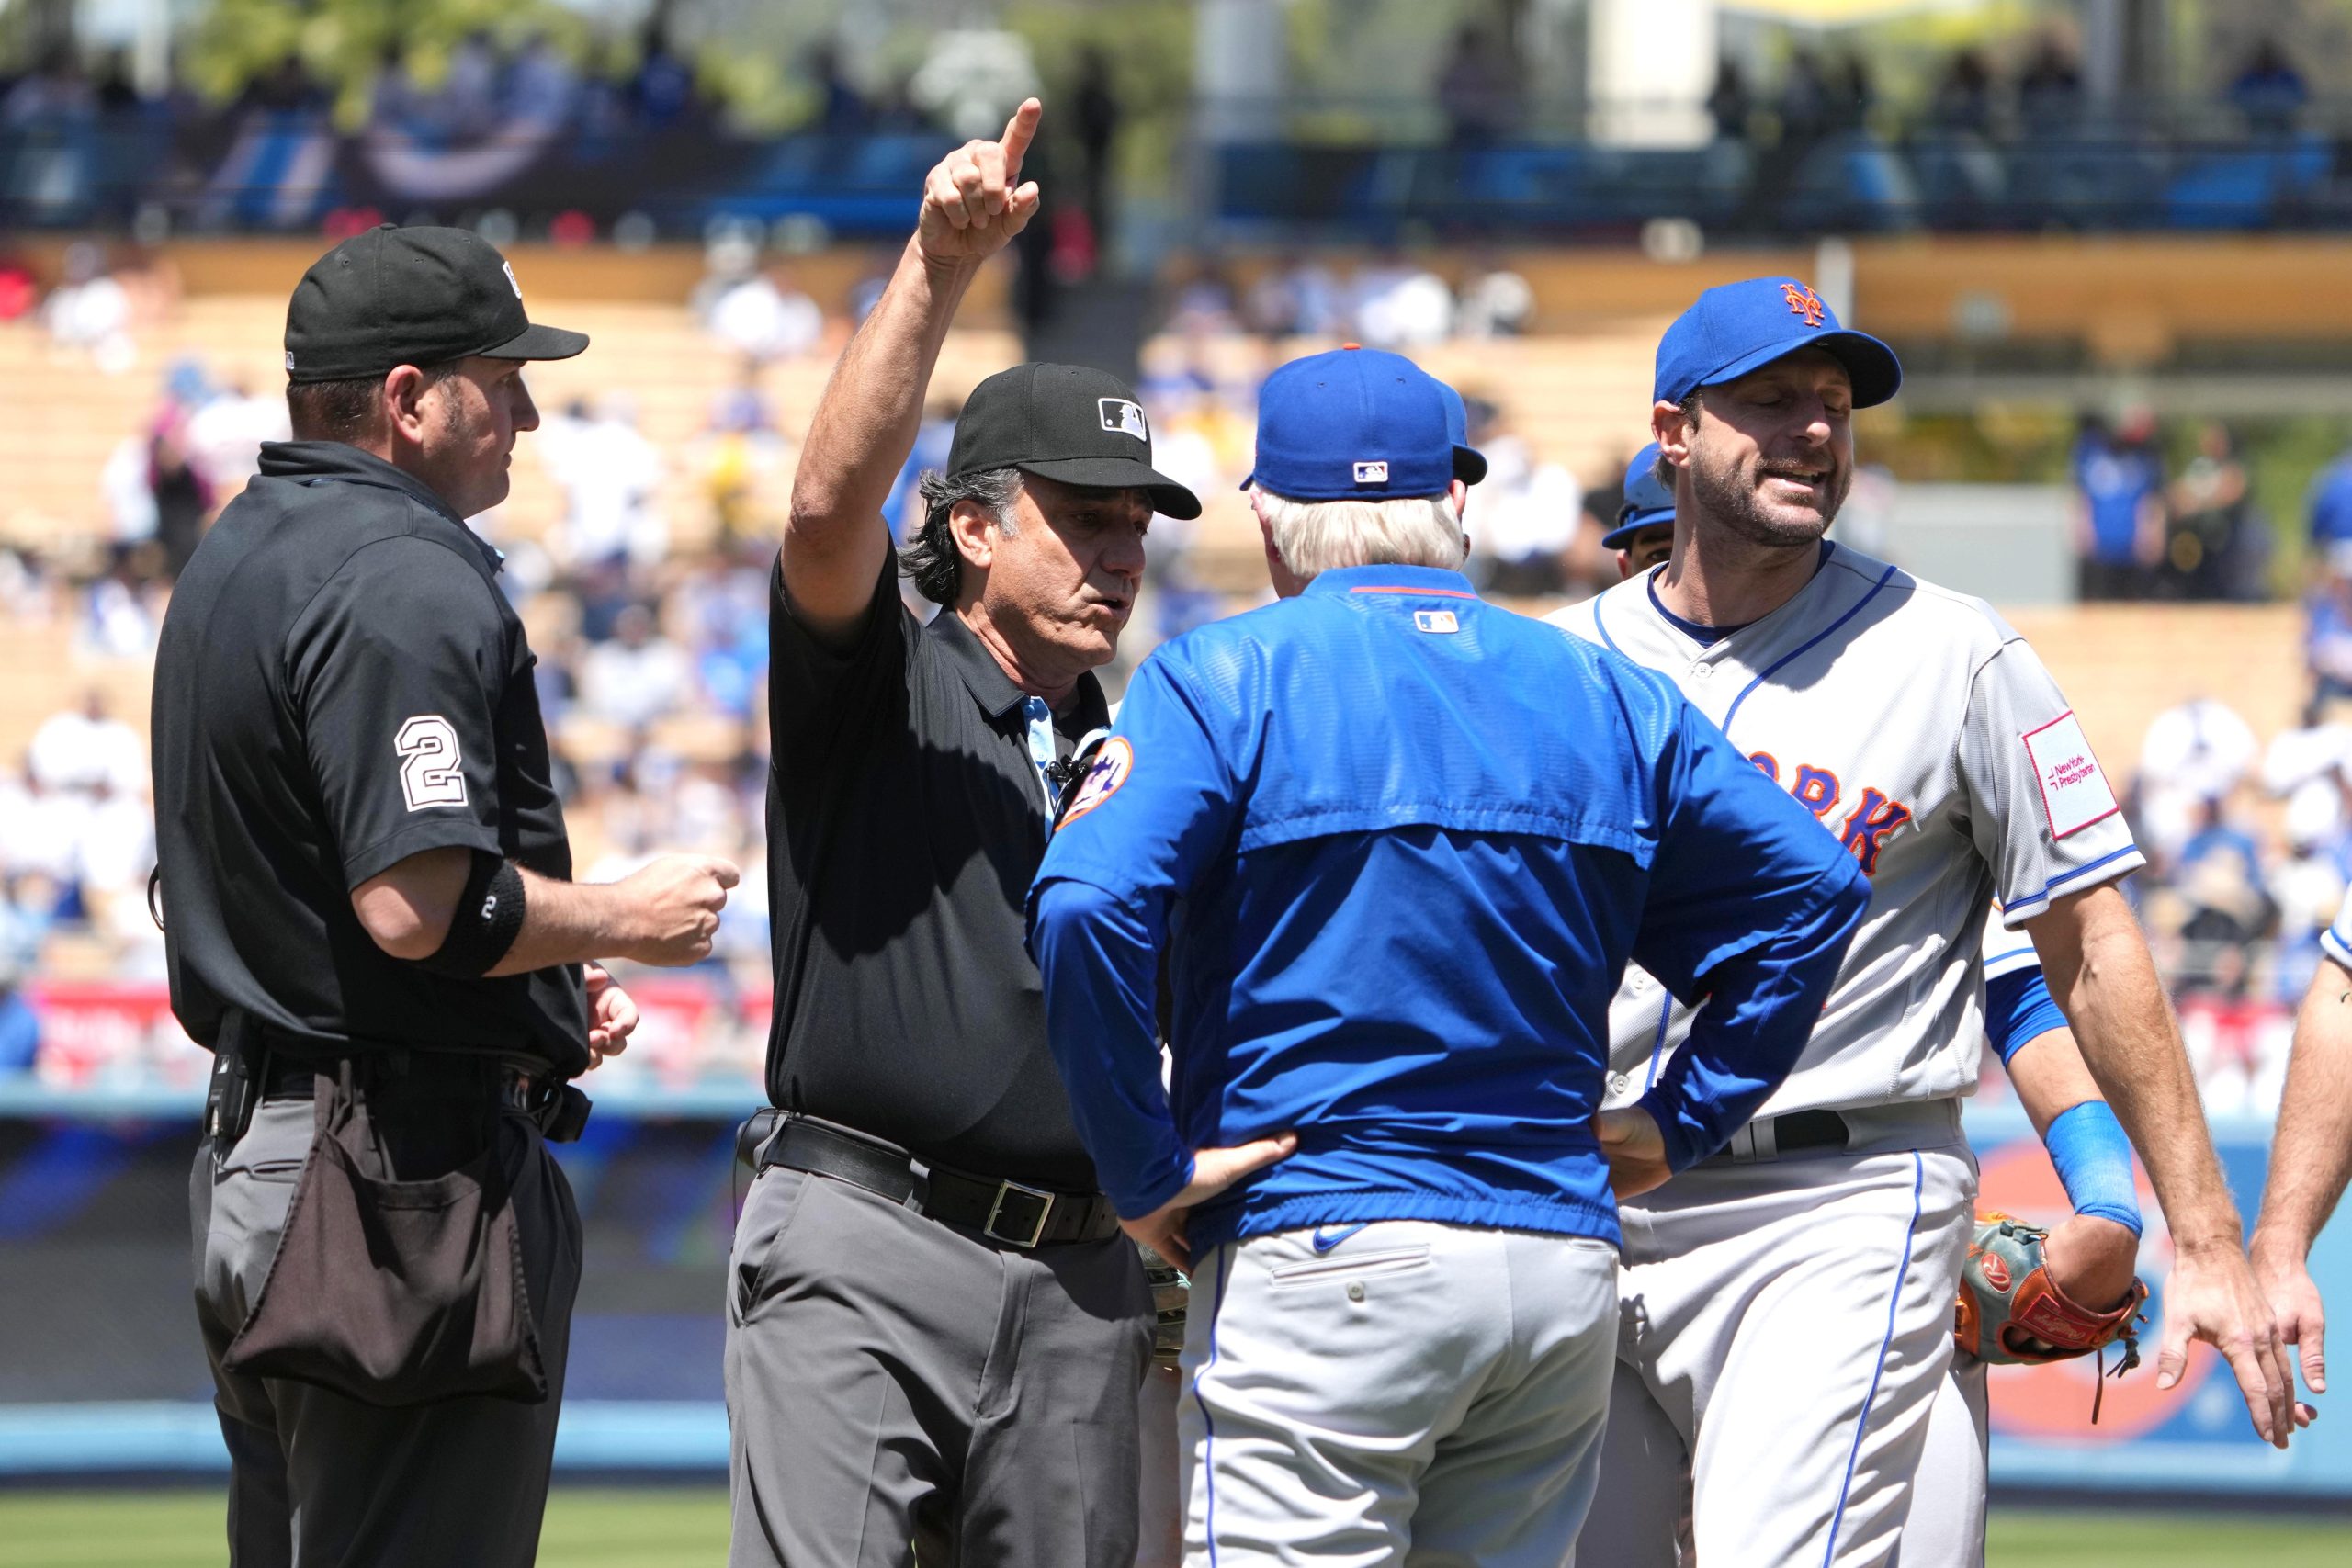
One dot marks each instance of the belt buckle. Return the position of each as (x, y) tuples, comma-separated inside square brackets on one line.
[(1044, 1212)]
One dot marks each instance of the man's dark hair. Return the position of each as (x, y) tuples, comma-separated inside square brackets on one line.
[(345, 410), (931, 559)]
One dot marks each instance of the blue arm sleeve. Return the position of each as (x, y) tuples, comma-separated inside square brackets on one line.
[(1100, 963), (2017, 1008), (1150, 814), (1752, 904), (2093, 1163)]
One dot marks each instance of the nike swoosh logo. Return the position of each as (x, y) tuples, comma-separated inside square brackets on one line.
[(1325, 1243)]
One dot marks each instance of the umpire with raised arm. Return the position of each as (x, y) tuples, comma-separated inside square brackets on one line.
[(936, 1335), (368, 919)]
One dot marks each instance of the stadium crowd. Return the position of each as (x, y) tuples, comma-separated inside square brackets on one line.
[(652, 629)]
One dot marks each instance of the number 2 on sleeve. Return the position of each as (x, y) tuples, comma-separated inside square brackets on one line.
[(430, 763)]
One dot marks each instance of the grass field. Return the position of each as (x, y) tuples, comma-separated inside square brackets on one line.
[(675, 1529)]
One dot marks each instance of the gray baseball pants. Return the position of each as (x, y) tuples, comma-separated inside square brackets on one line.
[(900, 1389), (321, 1480), (1402, 1392)]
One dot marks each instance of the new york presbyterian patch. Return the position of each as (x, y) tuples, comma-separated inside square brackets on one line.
[(2074, 794), (1111, 766)]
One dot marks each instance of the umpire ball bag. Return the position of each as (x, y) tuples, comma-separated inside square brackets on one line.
[(396, 1292)]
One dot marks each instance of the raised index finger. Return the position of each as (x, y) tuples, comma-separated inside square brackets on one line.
[(1019, 131)]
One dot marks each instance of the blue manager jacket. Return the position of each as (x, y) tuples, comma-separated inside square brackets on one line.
[(1400, 844)]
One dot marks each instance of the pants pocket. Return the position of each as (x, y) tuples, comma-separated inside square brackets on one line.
[(760, 1235)]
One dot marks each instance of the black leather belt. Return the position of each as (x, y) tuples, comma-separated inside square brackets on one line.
[(560, 1110), (1008, 1211), (1770, 1137)]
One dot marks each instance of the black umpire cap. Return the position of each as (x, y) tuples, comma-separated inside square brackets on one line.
[(1067, 423), (419, 296)]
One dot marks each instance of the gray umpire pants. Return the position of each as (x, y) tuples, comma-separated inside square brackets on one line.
[(321, 1480), (900, 1391)]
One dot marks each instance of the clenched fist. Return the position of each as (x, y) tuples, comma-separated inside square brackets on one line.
[(675, 903), (972, 201)]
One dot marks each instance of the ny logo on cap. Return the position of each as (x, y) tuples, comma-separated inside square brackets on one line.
[(1803, 302), (1124, 417), (1372, 473)]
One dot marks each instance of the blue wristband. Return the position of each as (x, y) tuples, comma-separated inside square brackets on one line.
[(2093, 1162)]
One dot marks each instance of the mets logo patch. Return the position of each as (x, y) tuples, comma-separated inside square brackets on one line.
[(1111, 766), (1803, 302)]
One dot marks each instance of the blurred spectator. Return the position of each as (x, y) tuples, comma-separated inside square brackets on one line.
[(2306, 767), (662, 95), (20, 1026), (2331, 507), (2120, 519), (1096, 114), (2226, 906), (1729, 102), (2327, 629), (1963, 104), (119, 613), (1495, 301), (738, 452), (2270, 92), (2216, 548), (609, 474), (1402, 305), (1296, 297), (2193, 755), (87, 750), (1851, 94), (225, 432), (1523, 518), (635, 678), (763, 317), (89, 312), (2050, 88), (843, 110), (1477, 90), (1804, 106)]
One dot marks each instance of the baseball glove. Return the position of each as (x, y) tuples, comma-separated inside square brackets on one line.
[(1170, 1292), (2012, 1313)]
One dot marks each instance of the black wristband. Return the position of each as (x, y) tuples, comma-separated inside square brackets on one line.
[(488, 918)]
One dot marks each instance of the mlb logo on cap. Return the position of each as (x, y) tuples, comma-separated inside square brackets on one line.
[(1372, 473)]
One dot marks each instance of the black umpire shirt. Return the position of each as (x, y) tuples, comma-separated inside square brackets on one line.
[(906, 820), (339, 685)]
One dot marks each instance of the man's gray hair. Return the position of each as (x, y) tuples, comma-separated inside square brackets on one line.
[(1316, 536), (931, 561)]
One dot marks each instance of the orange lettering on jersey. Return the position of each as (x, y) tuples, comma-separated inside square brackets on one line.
[(1766, 764), (1867, 828), (1803, 302)]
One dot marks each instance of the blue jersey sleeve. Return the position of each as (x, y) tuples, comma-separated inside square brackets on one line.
[(2019, 1008), (1157, 804), (1752, 906)]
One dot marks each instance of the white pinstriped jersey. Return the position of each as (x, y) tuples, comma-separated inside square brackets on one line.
[(1927, 735)]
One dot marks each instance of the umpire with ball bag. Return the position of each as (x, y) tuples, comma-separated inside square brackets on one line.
[(369, 919)]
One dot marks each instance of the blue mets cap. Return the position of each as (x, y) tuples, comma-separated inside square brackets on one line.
[(1736, 327), (1358, 424), (1647, 500), (1469, 465)]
